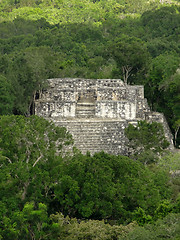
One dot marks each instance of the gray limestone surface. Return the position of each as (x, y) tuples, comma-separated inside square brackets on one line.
[(96, 111)]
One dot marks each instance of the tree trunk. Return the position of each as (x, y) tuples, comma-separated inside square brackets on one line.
[(126, 73), (175, 135)]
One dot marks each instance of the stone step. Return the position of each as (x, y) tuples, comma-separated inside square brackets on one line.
[(85, 110), (95, 136), (85, 113)]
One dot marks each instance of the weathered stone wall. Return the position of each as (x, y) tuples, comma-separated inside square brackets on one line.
[(96, 111), (109, 98)]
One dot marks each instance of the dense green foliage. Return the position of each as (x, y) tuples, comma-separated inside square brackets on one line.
[(45, 192), (41, 178), (168, 228), (146, 141), (137, 41), (105, 187)]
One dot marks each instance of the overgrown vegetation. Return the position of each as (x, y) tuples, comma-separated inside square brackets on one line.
[(40, 181), (146, 141), (137, 41), (47, 193)]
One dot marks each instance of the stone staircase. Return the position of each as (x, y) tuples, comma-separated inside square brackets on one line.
[(95, 136), (85, 110)]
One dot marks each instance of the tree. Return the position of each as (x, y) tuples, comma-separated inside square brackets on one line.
[(176, 127), (32, 150), (6, 96), (140, 217), (172, 96), (130, 55), (72, 228), (162, 22), (28, 70), (160, 76), (163, 87), (170, 161), (32, 222), (107, 187), (167, 227), (146, 140)]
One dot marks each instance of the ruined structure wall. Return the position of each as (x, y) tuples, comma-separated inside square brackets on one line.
[(96, 111), (110, 98)]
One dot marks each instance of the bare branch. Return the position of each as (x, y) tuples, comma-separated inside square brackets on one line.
[(126, 72), (9, 160), (37, 160)]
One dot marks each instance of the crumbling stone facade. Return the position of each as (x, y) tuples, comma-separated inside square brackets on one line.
[(96, 111)]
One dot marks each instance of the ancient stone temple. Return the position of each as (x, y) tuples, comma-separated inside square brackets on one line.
[(96, 111)]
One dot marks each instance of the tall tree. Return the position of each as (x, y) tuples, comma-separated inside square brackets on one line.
[(30, 148), (146, 141), (28, 70), (131, 57)]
